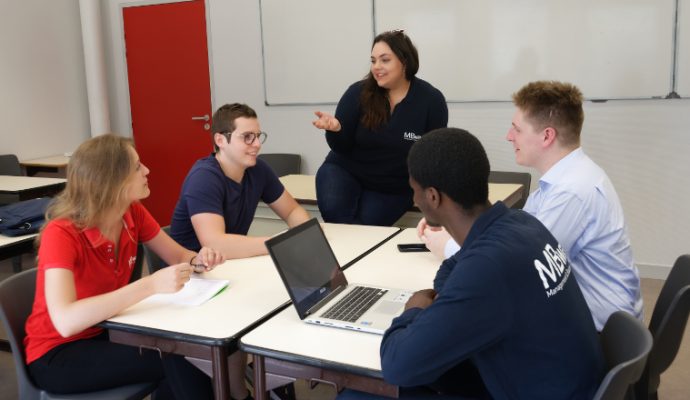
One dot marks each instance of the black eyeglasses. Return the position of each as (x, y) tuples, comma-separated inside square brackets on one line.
[(248, 137)]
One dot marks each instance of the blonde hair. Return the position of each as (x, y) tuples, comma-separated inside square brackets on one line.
[(556, 104), (97, 175)]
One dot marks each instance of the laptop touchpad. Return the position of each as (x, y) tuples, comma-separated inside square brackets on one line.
[(389, 307)]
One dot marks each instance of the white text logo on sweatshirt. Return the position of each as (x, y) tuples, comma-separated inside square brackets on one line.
[(411, 136), (556, 274)]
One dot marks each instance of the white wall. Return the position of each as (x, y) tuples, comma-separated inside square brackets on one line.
[(642, 144), (43, 106)]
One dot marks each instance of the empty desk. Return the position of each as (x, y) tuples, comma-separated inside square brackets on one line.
[(17, 188), (11, 246), (53, 164)]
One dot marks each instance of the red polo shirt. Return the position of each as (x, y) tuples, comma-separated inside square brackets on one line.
[(91, 258)]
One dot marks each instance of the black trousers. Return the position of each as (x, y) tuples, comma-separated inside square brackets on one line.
[(96, 364)]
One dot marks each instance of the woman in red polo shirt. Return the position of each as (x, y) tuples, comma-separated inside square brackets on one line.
[(85, 260)]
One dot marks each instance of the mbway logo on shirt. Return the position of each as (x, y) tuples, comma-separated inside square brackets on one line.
[(411, 136), (556, 274)]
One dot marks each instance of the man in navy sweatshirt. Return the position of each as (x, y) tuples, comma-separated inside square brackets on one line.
[(506, 318)]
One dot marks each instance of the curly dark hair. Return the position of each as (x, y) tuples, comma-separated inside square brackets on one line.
[(453, 161)]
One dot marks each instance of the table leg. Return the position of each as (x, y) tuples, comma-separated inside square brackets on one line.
[(221, 380), (259, 378)]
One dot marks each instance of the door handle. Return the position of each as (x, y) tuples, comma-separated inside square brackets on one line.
[(202, 118)]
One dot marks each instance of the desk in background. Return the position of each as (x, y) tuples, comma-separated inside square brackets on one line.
[(303, 189), (285, 348), (53, 165), (210, 331), (17, 188), (12, 246)]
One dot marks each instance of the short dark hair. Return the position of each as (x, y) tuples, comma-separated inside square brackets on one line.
[(453, 161), (556, 104), (224, 119)]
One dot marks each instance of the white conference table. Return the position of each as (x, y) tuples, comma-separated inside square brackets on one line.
[(255, 292), (285, 348)]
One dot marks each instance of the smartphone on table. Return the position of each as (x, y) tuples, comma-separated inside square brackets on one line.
[(412, 247)]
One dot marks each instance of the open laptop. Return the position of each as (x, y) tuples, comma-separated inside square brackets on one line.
[(319, 290)]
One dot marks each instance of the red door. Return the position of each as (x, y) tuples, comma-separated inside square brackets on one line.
[(169, 90)]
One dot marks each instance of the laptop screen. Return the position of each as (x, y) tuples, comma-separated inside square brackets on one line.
[(306, 264)]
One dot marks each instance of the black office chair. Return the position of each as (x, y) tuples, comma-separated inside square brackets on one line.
[(16, 301), (283, 163), (523, 178), (138, 264), (667, 325), (9, 165), (155, 263), (626, 343)]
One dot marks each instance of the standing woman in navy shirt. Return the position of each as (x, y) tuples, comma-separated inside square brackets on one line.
[(364, 177)]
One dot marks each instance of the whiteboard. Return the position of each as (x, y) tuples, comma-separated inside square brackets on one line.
[(314, 49), (486, 50), (475, 50), (683, 61)]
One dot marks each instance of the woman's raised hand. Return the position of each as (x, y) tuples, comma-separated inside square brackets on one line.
[(326, 121)]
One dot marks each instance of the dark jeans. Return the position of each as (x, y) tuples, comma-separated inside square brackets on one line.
[(342, 199), (97, 364)]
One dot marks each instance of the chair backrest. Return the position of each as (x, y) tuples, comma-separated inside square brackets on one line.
[(283, 163), (155, 263), (138, 264), (16, 302), (523, 178), (667, 326), (626, 343), (9, 165)]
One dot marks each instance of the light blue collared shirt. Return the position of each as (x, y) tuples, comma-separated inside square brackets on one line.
[(576, 201)]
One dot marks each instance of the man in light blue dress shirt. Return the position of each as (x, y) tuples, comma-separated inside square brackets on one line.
[(575, 199)]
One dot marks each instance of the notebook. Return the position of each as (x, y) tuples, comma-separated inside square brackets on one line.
[(318, 288), (195, 292)]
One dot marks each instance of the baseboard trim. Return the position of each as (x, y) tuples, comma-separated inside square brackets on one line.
[(654, 271)]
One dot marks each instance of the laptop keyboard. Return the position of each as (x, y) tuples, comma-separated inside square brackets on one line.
[(354, 304)]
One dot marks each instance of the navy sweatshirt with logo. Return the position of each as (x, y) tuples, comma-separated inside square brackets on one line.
[(378, 158), (509, 303)]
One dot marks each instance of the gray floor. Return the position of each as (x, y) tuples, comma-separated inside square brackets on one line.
[(675, 382)]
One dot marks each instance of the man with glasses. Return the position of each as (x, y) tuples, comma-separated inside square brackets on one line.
[(221, 192)]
